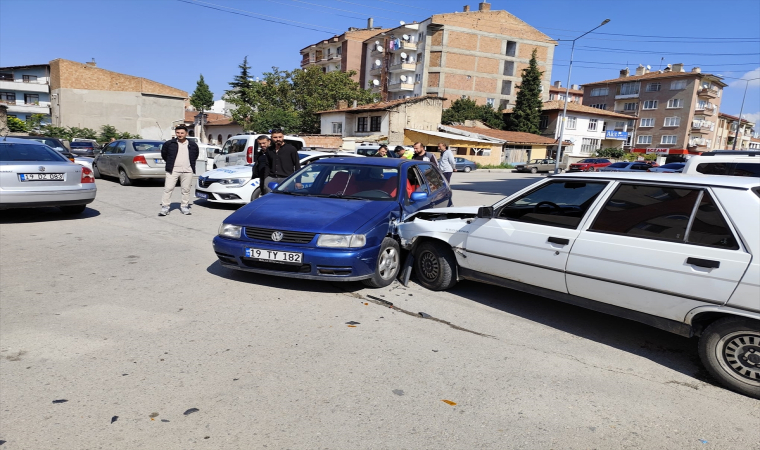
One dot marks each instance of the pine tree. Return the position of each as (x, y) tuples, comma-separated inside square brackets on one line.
[(465, 109), (241, 83), (202, 99), (526, 114)]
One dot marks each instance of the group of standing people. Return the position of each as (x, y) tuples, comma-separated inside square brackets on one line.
[(447, 164), (275, 160)]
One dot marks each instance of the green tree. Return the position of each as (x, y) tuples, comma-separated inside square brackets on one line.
[(242, 82), (108, 132), (56, 132), (16, 125), (466, 109), (615, 153), (35, 121), (202, 99), (526, 114)]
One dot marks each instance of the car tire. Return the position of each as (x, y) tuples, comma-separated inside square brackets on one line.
[(256, 194), (388, 264), (124, 179), (95, 171), (435, 266), (730, 350), (73, 209), (467, 169), (533, 170)]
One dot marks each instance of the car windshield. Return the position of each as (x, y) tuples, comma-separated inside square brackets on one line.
[(47, 141), (28, 152), (341, 180), (673, 166), (587, 161), (81, 144), (154, 146), (619, 164)]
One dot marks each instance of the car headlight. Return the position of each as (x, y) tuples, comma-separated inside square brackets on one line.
[(233, 182), (342, 240), (230, 231)]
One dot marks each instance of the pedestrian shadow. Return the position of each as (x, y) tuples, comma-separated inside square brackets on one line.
[(47, 214), (291, 284), (667, 349)]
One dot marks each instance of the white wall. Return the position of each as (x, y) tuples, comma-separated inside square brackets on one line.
[(327, 119)]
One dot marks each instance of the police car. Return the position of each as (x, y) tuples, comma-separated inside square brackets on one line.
[(236, 185)]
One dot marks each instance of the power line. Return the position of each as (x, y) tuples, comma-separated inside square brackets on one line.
[(685, 64), (625, 50), (310, 9)]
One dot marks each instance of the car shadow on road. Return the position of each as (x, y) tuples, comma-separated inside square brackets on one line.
[(292, 284), (675, 352), (503, 187), (29, 215), (218, 206)]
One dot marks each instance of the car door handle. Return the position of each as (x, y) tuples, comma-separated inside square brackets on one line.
[(708, 263), (560, 241)]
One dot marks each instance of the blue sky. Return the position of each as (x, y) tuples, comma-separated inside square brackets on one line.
[(173, 41)]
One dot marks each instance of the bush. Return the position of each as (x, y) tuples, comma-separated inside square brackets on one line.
[(16, 125), (495, 166), (615, 153)]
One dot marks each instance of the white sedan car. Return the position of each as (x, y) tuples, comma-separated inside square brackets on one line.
[(678, 252), (235, 185)]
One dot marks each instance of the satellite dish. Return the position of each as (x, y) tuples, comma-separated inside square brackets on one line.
[(378, 62), (405, 37), (376, 82), (379, 48), (377, 42), (403, 55), (402, 78), (402, 22), (649, 67)]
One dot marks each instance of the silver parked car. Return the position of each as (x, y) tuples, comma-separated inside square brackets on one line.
[(536, 165), (129, 160), (34, 175)]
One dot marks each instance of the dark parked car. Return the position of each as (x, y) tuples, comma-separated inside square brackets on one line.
[(84, 148), (53, 143), (465, 165)]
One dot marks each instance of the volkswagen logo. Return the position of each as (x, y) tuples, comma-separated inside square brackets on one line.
[(277, 236), (41, 168)]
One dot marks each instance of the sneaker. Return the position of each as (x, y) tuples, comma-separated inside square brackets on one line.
[(185, 210), (164, 211)]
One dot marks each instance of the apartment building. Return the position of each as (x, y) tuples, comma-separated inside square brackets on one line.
[(557, 92), (676, 110), (726, 133), (340, 53), (25, 90), (478, 55)]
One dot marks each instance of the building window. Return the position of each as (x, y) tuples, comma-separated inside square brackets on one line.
[(361, 125), (506, 87), (599, 105), (678, 84), (644, 140), (619, 126), (29, 78), (211, 139), (653, 87), (374, 123), (648, 122), (675, 103), (420, 37), (590, 145), (511, 48), (630, 106), (629, 88), (592, 124), (503, 104), (650, 104), (672, 121), (31, 98), (337, 128), (669, 139), (417, 77), (509, 68), (571, 122), (598, 92), (490, 102), (8, 97), (543, 122), (4, 76), (339, 51)]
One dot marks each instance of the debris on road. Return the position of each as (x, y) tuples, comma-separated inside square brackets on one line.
[(114, 419), (60, 401), (190, 411), (449, 402), (398, 392)]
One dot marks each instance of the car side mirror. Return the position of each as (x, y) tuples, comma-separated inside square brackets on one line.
[(485, 212), (418, 197), (217, 151), (273, 185)]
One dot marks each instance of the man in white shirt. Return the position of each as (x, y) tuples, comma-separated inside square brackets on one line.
[(179, 156)]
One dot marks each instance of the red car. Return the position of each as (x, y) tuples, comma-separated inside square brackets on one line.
[(589, 165)]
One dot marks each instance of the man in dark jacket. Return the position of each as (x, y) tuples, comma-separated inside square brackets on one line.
[(283, 160), (261, 162), (179, 156)]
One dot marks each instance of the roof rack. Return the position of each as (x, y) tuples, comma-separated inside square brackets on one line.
[(732, 152)]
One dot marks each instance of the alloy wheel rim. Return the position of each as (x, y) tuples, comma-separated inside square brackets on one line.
[(739, 355), (388, 263), (429, 266)]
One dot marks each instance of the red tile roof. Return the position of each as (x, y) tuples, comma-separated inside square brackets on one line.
[(210, 116), (576, 107), (512, 137), (729, 116), (562, 90)]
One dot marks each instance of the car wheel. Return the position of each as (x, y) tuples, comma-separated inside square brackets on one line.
[(435, 266), (73, 209), (95, 171), (467, 169), (388, 264), (256, 194), (534, 170), (730, 350), (124, 179)]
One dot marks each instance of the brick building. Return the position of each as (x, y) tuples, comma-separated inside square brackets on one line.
[(557, 92), (474, 54), (342, 53), (676, 110), (726, 132), (85, 96)]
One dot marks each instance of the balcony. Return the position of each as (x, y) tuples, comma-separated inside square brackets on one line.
[(403, 67), (702, 126), (706, 109), (376, 53), (405, 46), (376, 71), (40, 85), (699, 142), (399, 86), (29, 108), (307, 61), (706, 92), (627, 112), (624, 96)]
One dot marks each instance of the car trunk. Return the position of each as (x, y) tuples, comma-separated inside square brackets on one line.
[(153, 159), (32, 171)]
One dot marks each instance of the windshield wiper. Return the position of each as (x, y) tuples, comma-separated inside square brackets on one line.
[(346, 197), (288, 193)]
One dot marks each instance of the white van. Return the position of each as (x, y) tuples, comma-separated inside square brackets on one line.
[(741, 163), (239, 150), (202, 164)]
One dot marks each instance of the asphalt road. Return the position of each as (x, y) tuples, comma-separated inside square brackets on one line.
[(119, 330)]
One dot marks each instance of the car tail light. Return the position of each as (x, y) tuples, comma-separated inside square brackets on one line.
[(87, 176), (139, 159), (249, 155)]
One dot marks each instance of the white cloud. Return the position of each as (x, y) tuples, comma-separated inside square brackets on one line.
[(752, 117), (753, 75)]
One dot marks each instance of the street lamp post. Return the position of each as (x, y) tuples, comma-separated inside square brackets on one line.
[(567, 96), (741, 110)]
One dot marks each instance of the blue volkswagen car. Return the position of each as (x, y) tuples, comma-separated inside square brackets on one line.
[(335, 219)]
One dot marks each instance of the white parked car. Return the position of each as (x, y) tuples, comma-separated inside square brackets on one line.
[(741, 163), (239, 150), (235, 185), (678, 252)]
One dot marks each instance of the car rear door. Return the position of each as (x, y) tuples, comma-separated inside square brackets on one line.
[(120, 156), (529, 238), (657, 248)]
